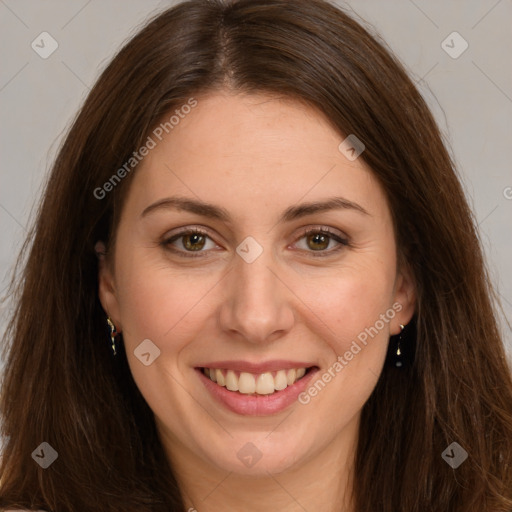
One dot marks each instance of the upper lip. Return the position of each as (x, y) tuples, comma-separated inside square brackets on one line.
[(257, 368)]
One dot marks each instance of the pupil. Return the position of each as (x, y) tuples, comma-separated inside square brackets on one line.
[(323, 240), (195, 239)]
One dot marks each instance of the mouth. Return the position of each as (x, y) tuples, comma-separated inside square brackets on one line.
[(253, 384), (256, 394)]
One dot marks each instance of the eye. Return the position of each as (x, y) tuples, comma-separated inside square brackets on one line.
[(193, 240), (319, 239)]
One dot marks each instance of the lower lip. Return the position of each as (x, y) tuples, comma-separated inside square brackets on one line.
[(257, 405)]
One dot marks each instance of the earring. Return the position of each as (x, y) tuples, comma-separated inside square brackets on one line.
[(113, 334), (399, 361)]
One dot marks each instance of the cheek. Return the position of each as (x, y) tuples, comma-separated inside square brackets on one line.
[(345, 303), (358, 313), (158, 303), (169, 308), (350, 322)]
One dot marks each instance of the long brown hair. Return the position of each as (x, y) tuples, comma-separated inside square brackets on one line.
[(62, 386)]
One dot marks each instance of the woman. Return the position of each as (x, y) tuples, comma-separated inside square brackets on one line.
[(255, 284)]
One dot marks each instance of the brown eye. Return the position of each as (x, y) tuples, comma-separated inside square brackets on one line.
[(318, 241), (193, 241)]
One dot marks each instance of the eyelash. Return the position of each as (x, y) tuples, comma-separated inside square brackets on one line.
[(310, 231)]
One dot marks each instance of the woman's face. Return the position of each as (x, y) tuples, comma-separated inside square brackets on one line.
[(252, 292)]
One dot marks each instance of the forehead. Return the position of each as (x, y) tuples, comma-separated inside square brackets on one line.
[(251, 151), (254, 128)]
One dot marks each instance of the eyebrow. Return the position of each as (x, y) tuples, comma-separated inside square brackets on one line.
[(217, 212)]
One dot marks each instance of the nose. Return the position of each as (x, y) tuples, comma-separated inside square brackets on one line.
[(258, 305)]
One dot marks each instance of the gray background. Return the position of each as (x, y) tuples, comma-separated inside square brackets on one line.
[(471, 97)]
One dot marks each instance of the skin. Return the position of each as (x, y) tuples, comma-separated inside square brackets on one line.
[(255, 156)]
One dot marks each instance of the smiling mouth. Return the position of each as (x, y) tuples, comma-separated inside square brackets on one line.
[(246, 383)]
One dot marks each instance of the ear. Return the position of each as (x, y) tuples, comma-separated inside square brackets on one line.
[(404, 299), (106, 286)]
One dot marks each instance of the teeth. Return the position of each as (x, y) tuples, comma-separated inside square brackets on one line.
[(265, 384), (249, 383), (231, 381), (280, 380)]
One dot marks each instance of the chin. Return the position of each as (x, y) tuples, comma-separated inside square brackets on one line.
[(256, 456)]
